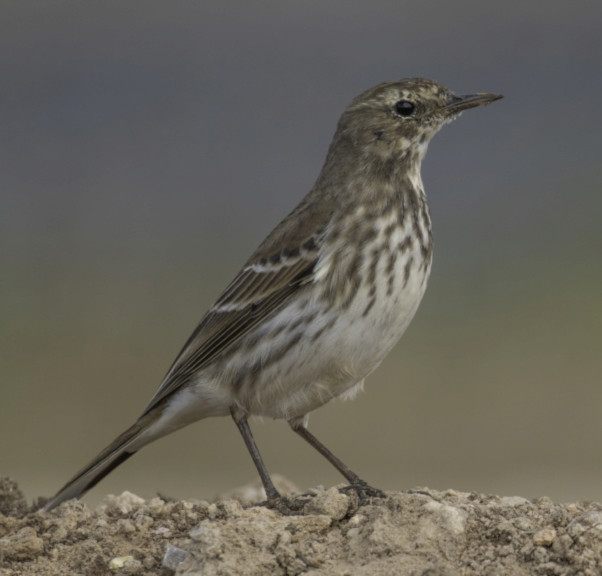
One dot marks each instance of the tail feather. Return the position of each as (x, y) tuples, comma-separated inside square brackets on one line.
[(113, 455)]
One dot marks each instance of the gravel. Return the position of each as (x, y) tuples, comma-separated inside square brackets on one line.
[(420, 532)]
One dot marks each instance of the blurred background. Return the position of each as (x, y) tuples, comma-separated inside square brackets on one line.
[(147, 147)]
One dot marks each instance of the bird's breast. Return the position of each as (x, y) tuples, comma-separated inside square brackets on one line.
[(367, 285), (392, 277)]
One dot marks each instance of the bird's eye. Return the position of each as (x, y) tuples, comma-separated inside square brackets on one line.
[(404, 108)]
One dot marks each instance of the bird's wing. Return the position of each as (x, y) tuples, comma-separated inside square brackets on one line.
[(280, 266)]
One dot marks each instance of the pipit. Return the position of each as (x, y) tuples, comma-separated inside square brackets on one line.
[(323, 299)]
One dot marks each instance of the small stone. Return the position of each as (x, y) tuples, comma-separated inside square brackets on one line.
[(157, 507), (173, 557), (545, 537), (512, 501), (356, 520), (212, 510), (232, 508), (123, 504), (330, 503), (454, 518), (125, 565)]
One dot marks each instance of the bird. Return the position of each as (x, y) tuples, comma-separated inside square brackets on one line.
[(322, 300)]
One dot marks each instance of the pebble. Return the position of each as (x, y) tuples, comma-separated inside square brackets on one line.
[(545, 537), (455, 518), (173, 557), (123, 504), (330, 503), (125, 565)]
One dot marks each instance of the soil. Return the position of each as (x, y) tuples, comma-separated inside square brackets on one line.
[(420, 532)]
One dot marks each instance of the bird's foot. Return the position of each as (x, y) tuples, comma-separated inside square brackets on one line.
[(287, 506), (363, 490)]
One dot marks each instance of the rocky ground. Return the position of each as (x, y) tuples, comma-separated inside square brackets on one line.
[(421, 532)]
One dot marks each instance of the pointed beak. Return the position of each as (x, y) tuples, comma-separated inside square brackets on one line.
[(458, 104)]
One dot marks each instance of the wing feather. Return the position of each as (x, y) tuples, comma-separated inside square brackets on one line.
[(278, 269), (257, 292)]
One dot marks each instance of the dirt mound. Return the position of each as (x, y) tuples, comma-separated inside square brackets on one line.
[(417, 532)]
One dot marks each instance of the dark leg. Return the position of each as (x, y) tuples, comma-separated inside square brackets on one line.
[(247, 436), (357, 484)]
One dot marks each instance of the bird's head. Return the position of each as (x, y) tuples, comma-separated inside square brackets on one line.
[(395, 119)]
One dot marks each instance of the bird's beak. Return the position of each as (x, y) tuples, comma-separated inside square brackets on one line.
[(459, 103)]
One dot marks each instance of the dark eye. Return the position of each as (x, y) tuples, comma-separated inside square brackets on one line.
[(404, 108)]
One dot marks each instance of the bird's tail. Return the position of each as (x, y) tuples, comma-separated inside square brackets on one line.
[(124, 446)]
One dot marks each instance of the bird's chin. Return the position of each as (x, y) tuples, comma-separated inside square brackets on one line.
[(449, 118)]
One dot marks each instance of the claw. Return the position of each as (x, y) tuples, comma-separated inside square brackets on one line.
[(286, 506), (364, 491)]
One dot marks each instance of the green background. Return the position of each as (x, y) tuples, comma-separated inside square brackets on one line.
[(147, 147)]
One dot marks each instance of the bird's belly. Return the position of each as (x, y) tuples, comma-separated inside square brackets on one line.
[(311, 352), (378, 320)]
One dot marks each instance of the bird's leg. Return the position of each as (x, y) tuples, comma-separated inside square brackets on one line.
[(349, 474), (245, 430), (274, 499), (361, 487)]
